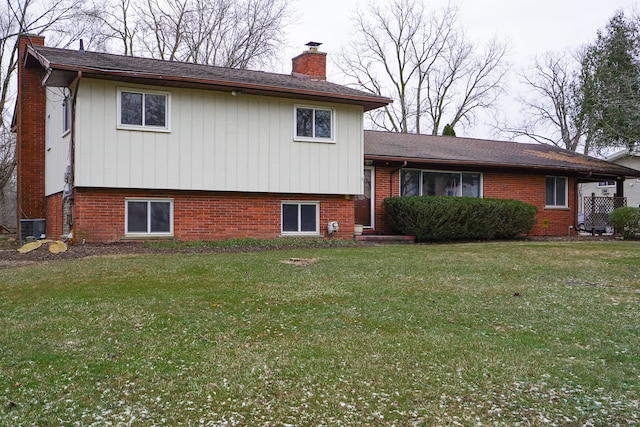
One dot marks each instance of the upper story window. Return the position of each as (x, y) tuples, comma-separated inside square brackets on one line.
[(556, 191), (314, 124), (66, 115), (607, 184), (143, 110), (415, 182)]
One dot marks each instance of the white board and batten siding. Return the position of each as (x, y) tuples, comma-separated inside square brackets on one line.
[(57, 142), (216, 142)]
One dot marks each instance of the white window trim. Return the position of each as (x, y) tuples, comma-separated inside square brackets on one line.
[(147, 234), (67, 114), (607, 185), (301, 233), (47, 133), (373, 196), (480, 193), (331, 140), (146, 128), (566, 193)]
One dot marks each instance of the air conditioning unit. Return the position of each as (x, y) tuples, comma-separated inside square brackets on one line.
[(32, 227), (605, 191)]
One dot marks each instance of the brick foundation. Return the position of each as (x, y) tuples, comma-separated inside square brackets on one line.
[(54, 216), (99, 214), (526, 188)]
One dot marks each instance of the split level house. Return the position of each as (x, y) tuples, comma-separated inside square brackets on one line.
[(112, 147)]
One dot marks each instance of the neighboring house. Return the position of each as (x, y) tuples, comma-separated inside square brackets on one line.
[(631, 188), (113, 148), (539, 174)]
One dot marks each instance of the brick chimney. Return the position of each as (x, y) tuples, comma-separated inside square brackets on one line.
[(30, 134), (311, 64)]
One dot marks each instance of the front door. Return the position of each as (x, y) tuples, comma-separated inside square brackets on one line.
[(364, 202)]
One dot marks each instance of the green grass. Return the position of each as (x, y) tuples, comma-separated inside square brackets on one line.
[(520, 333)]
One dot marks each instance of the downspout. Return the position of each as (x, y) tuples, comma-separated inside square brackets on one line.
[(69, 193), (576, 204)]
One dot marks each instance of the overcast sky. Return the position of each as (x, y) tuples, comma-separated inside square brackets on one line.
[(530, 27)]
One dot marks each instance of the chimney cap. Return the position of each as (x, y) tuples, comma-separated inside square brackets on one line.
[(313, 46)]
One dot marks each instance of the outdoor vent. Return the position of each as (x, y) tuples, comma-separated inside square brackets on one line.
[(32, 228)]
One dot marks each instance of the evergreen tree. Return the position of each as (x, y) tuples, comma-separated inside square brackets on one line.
[(610, 85), (448, 130)]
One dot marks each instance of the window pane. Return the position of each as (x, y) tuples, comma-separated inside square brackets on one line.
[(308, 218), (290, 217), (160, 217), (136, 217), (440, 184), (323, 124), (560, 192), (471, 185), (131, 108), (304, 122), (550, 191), (410, 183), (155, 110), (66, 114)]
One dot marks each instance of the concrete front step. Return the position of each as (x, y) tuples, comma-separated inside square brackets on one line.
[(379, 238)]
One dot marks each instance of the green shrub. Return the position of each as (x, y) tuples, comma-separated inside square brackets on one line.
[(626, 221), (442, 218)]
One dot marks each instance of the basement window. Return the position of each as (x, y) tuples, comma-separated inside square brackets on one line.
[(149, 217), (301, 218), (143, 110), (314, 124)]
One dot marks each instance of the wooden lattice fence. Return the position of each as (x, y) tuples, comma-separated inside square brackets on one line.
[(597, 210)]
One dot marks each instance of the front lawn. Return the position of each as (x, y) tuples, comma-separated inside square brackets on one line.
[(521, 333)]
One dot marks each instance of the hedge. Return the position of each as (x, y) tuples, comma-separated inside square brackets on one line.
[(626, 221), (443, 218)]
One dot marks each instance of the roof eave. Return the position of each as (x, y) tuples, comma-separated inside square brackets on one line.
[(62, 75), (568, 170)]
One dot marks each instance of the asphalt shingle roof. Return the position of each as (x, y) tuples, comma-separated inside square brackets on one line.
[(65, 64), (470, 153)]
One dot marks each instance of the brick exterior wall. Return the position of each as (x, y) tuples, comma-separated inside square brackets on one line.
[(527, 188), (30, 133), (311, 64), (54, 216), (99, 214), (532, 189)]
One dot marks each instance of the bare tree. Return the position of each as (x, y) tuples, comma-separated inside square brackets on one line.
[(111, 26), (228, 33), (589, 101), (32, 17), (553, 107), (423, 61)]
